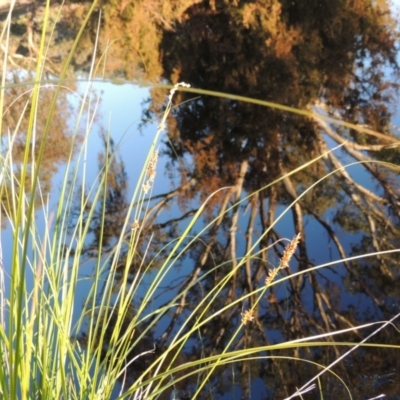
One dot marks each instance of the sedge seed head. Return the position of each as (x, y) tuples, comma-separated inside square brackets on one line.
[(289, 251), (247, 316)]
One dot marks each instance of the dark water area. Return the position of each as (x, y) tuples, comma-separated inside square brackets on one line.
[(328, 173)]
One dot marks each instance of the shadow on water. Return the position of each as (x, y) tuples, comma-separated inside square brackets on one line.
[(331, 57)]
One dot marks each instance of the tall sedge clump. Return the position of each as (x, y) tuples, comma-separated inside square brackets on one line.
[(20, 341), (115, 338), (36, 347)]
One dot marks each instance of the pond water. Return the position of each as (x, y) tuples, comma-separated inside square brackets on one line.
[(300, 170)]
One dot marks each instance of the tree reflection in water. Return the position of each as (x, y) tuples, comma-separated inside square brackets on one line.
[(329, 57)]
